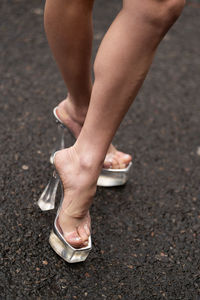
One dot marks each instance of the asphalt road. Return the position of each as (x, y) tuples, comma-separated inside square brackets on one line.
[(145, 235)]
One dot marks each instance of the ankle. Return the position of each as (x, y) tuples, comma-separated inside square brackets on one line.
[(76, 108), (82, 167), (89, 160)]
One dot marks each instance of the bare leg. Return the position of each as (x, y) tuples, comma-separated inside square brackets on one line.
[(121, 65), (68, 25)]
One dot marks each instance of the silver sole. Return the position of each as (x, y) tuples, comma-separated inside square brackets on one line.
[(114, 177), (66, 252)]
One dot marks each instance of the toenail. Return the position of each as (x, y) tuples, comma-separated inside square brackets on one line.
[(77, 238)]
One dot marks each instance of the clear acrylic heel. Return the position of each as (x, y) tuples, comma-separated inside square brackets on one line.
[(48, 196)]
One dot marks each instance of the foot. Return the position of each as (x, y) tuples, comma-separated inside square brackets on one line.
[(79, 184), (74, 119)]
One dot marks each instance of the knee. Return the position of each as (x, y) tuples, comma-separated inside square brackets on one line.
[(172, 9), (166, 12), (159, 13)]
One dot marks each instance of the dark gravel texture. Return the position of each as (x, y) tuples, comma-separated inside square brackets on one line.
[(146, 234)]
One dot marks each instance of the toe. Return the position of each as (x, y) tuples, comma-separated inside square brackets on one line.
[(115, 163), (83, 231), (123, 159), (108, 161), (107, 164), (111, 162), (74, 239), (117, 160), (124, 156)]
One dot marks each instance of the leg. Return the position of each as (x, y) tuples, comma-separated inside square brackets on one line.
[(68, 25), (121, 65)]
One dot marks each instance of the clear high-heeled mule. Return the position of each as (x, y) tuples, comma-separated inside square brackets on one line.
[(107, 177), (57, 240)]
